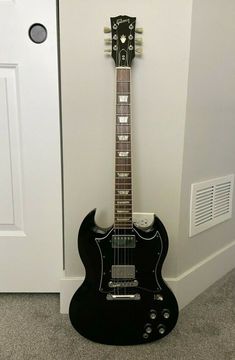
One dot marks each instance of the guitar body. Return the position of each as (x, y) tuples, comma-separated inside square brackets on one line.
[(123, 304)]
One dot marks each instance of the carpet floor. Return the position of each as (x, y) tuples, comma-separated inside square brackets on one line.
[(31, 327)]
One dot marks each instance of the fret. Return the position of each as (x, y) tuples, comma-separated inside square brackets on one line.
[(123, 147), (123, 109), (123, 87), (123, 129)]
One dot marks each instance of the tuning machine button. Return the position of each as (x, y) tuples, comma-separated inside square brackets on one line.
[(107, 30), (107, 41), (107, 51), (153, 314), (139, 30), (161, 329), (138, 51), (138, 41)]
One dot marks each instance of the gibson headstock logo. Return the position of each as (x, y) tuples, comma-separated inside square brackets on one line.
[(120, 21)]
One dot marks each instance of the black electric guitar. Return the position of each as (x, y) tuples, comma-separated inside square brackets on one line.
[(123, 299)]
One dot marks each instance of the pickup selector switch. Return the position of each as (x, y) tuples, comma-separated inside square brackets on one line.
[(153, 314)]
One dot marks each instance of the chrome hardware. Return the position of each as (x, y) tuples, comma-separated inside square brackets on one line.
[(108, 41), (107, 30), (139, 30), (130, 37), (123, 271), (145, 335), (114, 284), (115, 26), (138, 41), (131, 27), (115, 37), (139, 51), (108, 51), (115, 47), (158, 297), (123, 297), (130, 47)]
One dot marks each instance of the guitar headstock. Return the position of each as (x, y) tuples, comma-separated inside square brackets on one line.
[(123, 40)]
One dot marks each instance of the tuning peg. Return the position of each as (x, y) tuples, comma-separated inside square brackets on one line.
[(138, 51), (108, 41), (108, 51), (138, 41), (107, 29), (139, 30)]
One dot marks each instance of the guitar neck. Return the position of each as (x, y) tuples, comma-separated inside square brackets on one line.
[(123, 168)]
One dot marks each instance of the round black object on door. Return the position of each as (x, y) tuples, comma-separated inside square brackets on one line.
[(38, 33)]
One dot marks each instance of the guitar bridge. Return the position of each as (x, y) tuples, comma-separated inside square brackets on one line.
[(124, 284), (123, 297)]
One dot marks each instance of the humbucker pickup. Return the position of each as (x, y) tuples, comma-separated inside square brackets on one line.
[(125, 284), (123, 272), (123, 241)]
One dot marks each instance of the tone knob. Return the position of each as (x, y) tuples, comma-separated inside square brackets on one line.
[(166, 314), (153, 314), (148, 328), (161, 329)]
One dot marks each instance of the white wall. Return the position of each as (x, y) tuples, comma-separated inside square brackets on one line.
[(183, 126), (159, 106), (209, 149)]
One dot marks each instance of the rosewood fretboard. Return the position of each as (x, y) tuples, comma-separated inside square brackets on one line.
[(123, 171)]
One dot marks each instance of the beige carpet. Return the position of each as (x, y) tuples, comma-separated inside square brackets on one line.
[(32, 328)]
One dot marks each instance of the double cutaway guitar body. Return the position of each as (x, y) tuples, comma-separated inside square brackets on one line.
[(123, 299), (123, 304)]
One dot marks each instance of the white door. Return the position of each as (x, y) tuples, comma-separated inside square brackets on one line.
[(30, 168)]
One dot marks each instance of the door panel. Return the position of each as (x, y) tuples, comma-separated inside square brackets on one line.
[(30, 173)]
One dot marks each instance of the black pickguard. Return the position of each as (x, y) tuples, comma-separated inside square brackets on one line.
[(123, 322)]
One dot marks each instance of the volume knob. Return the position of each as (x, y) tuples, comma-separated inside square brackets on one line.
[(161, 329), (166, 314)]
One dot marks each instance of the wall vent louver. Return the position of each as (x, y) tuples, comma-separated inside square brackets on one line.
[(211, 203)]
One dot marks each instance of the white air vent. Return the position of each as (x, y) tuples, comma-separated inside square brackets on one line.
[(211, 203)]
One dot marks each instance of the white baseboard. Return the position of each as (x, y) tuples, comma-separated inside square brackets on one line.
[(186, 286)]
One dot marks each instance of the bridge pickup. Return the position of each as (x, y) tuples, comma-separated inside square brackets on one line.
[(123, 272), (125, 284), (123, 297)]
